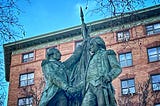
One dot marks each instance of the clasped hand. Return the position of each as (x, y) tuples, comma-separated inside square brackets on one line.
[(73, 91)]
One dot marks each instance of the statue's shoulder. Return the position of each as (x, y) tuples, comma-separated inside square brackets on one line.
[(110, 52), (44, 62)]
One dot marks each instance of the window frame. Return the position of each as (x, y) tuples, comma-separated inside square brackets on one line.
[(156, 104), (153, 29), (148, 56), (27, 80), (25, 100), (78, 42), (127, 86), (154, 83), (124, 37), (28, 59), (51, 47), (126, 60)]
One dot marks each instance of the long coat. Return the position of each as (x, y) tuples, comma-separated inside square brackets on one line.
[(102, 69), (56, 75)]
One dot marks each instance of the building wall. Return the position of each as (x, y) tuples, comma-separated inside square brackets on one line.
[(138, 44)]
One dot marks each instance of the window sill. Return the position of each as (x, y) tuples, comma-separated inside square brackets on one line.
[(156, 91), (128, 66), (26, 86), (155, 34), (126, 95), (154, 61)]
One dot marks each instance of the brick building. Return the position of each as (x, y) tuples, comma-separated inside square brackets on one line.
[(134, 36)]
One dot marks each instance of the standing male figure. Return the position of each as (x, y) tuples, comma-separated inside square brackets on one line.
[(102, 68), (56, 77)]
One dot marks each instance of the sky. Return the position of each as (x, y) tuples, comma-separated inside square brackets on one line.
[(43, 16)]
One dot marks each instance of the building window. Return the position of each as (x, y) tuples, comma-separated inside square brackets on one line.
[(27, 101), (155, 79), (157, 104), (27, 57), (123, 36), (153, 29), (125, 59), (154, 54), (77, 43), (51, 48), (26, 79), (127, 86)]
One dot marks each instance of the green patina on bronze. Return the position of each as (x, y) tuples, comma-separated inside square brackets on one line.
[(85, 79)]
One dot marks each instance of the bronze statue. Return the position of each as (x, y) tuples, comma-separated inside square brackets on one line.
[(85, 79), (102, 68), (57, 87), (78, 71)]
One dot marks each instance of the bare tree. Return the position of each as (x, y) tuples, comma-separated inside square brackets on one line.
[(34, 91), (3, 93), (116, 7), (10, 30), (144, 96)]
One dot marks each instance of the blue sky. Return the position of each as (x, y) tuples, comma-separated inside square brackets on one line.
[(43, 16)]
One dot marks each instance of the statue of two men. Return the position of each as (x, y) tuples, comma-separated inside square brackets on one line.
[(94, 88)]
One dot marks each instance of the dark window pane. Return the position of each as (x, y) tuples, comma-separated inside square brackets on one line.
[(132, 90), (125, 91), (123, 36), (125, 59), (155, 78), (31, 76), (159, 50), (124, 84), (30, 82), (122, 57), (28, 57), (157, 105), (23, 77), (131, 83), (27, 79), (23, 83), (128, 56), (155, 82), (153, 54), (150, 27), (150, 32), (153, 29), (78, 43), (157, 31), (156, 87), (152, 51), (153, 58), (128, 86), (157, 26), (28, 101), (31, 55), (123, 64), (129, 62)]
